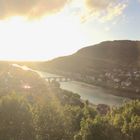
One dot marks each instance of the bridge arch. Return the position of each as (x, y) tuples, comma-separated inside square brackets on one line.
[(57, 79)]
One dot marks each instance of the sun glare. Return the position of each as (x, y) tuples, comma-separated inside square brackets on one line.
[(40, 39)]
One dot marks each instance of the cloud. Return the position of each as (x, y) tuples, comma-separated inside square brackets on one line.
[(85, 9), (105, 10), (30, 8), (114, 11), (97, 5)]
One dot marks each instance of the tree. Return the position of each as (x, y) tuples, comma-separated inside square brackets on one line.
[(16, 118), (127, 120)]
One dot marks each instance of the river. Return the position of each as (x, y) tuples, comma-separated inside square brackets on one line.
[(93, 94)]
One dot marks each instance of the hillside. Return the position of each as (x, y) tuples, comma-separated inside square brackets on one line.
[(112, 64), (104, 55), (34, 109)]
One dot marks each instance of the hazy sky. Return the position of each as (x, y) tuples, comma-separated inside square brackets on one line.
[(44, 29)]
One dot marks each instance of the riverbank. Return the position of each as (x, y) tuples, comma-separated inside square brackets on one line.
[(121, 91), (117, 92), (113, 91), (94, 94)]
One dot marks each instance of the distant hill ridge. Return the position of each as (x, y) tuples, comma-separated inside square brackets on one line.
[(104, 55), (113, 49), (113, 65)]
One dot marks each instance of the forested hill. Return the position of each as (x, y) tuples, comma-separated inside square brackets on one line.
[(104, 55), (113, 64)]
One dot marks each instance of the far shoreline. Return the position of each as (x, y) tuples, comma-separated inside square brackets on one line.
[(111, 91)]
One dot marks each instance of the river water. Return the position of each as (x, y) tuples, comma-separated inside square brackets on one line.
[(93, 94)]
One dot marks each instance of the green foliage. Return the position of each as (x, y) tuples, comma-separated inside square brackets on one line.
[(97, 129), (127, 119), (72, 117), (21, 119), (121, 123), (46, 112), (48, 123), (16, 119)]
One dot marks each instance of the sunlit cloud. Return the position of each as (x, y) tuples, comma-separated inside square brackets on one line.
[(30, 8), (104, 10), (114, 11), (44, 29)]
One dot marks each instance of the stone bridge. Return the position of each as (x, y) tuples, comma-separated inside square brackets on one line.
[(57, 78)]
